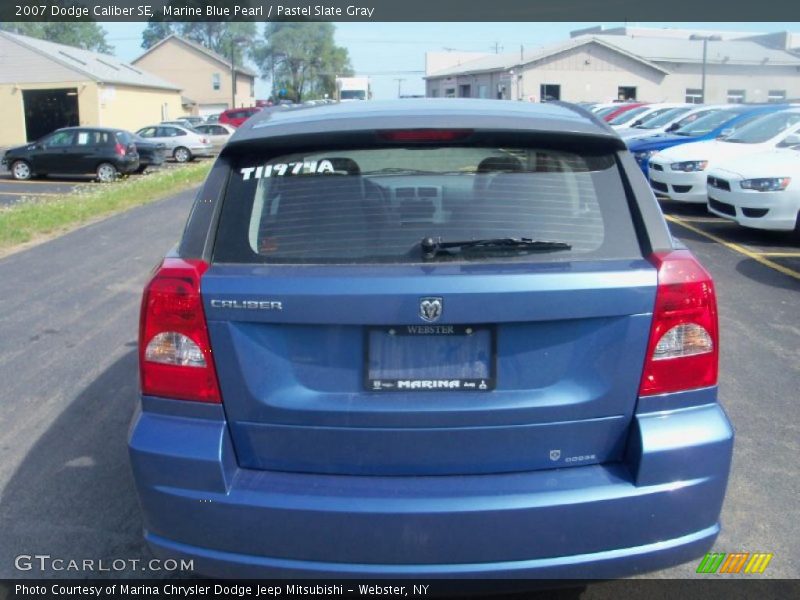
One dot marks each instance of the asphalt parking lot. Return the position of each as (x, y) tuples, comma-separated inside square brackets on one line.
[(68, 327)]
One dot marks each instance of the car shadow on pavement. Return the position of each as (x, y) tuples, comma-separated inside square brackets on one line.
[(73, 496), (762, 274), (684, 209)]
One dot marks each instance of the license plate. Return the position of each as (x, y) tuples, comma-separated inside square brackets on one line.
[(424, 358)]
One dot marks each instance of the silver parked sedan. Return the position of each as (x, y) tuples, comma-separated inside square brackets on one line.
[(218, 133), (182, 143)]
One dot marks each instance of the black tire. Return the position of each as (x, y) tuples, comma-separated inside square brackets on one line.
[(141, 168), (106, 172), (182, 154), (21, 170)]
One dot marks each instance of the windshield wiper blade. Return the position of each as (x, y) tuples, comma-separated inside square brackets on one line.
[(431, 247)]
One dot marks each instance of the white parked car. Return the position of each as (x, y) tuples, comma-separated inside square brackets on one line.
[(182, 143), (760, 190), (640, 113), (218, 133), (682, 170), (671, 120)]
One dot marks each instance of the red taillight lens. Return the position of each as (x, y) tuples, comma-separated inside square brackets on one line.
[(683, 351), (119, 149), (175, 358), (424, 135)]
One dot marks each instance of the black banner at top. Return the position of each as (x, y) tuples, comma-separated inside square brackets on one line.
[(400, 10)]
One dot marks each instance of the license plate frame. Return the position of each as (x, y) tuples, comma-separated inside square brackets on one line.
[(432, 383)]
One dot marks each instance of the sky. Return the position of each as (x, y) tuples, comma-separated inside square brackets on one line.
[(388, 52)]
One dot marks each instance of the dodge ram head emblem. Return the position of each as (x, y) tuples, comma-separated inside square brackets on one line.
[(430, 309)]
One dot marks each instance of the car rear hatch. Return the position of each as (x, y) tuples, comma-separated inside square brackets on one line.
[(349, 339)]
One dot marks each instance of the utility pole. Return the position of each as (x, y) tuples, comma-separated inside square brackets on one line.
[(233, 75), (705, 39), (234, 42), (497, 47), (399, 81)]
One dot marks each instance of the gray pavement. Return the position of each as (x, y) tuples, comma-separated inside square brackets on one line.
[(68, 326)]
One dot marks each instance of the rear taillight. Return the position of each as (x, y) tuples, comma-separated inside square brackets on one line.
[(175, 358), (119, 149), (683, 351)]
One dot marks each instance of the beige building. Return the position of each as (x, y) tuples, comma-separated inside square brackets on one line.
[(203, 75), (650, 65), (44, 86)]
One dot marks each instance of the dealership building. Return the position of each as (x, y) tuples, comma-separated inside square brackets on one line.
[(44, 86), (649, 65)]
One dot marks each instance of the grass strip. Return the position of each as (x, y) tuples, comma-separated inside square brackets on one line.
[(35, 217)]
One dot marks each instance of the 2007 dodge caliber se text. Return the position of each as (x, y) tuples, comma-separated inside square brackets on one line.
[(430, 338)]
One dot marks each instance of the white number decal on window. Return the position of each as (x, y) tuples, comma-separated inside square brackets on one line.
[(281, 169)]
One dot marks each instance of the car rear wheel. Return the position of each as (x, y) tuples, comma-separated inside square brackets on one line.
[(182, 154), (21, 170), (106, 172), (141, 168)]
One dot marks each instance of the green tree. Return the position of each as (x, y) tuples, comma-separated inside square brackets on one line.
[(155, 31), (86, 35), (302, 58), (220, 37)]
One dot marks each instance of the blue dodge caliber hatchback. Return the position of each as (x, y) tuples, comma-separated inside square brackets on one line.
[(429, 339)]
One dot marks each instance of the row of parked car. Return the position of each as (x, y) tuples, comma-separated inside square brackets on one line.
[(110, 152), (741, 160)]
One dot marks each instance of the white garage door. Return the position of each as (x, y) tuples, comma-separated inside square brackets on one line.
[(212, 109)]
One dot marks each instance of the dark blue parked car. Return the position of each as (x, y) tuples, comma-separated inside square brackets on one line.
[(723, 121), (429, 338)]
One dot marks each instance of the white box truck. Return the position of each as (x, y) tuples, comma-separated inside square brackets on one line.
[(352, 88)]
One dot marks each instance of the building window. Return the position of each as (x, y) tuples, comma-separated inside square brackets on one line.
[(252, 89), (215, 81), (694, 96), (625, 92), (450, 92), (776, 96), (464, 91), (483, 91), (736, 96), (549, 92)]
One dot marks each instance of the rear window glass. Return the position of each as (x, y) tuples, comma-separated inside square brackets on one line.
[(376, 205)]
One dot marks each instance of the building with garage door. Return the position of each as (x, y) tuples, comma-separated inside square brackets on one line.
[(44, 86), (202, 74), (633, 63)]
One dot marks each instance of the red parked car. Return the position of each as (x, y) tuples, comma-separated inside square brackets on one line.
[(236, 116), (623, 108)]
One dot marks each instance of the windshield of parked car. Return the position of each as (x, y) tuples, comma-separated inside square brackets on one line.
[(661, 118), (707, 124), (628, 116), (606, 111), (764, 128), (377, 205)]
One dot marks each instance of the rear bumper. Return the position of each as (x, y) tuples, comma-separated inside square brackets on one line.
[(202, 150), (128, 164), (658, 508)]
